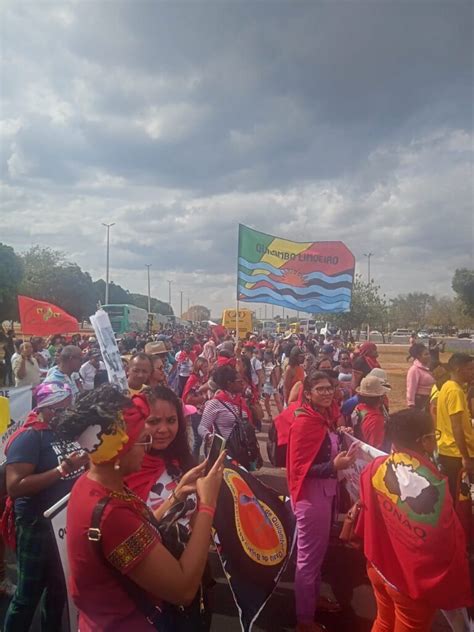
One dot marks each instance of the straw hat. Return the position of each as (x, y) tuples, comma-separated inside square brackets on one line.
[(371, 386), (381, 375), (156, 348)]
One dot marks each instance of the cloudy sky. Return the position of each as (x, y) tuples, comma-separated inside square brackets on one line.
[(178, 120)]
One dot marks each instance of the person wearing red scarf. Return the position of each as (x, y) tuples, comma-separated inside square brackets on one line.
[(313, 459), (413, 540), (365, 362), (167, 475)]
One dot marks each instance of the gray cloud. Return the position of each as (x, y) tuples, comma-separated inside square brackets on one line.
[(177, 121)]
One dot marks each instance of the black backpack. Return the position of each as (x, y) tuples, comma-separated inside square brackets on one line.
[(276, 453), (242, 444)]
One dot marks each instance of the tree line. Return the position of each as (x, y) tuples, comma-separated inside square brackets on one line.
[(415, 310), (46, 274)]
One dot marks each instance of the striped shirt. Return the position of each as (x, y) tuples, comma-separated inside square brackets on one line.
[(216, 412)]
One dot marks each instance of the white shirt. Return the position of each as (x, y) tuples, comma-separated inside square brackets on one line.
[(256, 366), (88, 373), (32, 372)]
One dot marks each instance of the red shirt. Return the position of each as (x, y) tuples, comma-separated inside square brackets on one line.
[(127, 537), (372, 425)]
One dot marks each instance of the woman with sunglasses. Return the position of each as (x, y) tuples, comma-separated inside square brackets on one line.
[(313, 459), (413, 541), (121, 574)]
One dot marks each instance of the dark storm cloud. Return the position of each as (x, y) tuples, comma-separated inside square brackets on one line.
[(344, 121)]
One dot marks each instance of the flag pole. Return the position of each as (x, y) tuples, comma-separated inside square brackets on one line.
[(237, 297)]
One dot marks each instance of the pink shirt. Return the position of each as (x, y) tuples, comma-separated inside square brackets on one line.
[(419, 381)]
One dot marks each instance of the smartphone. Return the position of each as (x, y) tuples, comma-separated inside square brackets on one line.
[(217, 446)]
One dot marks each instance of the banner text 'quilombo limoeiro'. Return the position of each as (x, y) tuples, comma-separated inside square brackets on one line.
[(313, 277)]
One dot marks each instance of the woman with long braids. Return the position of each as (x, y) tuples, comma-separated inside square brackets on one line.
[(120, 572)]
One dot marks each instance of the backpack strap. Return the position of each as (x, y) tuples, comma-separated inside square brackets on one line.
[(237, 418), (151, 612)]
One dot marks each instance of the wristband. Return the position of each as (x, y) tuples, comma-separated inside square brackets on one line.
[(207, 509), (62, 471)]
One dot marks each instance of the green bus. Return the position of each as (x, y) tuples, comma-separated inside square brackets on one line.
[(126, 318)]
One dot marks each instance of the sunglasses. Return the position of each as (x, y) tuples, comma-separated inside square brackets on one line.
[(146, 443)]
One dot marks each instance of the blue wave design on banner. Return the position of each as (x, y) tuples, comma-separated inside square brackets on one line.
[(259, 266), (314, 289), (330, 279), (321, 303)]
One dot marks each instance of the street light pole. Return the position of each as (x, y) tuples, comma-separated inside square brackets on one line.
[(107, 262), (148, 266), (368, 255), (181, 304), (169, 294)]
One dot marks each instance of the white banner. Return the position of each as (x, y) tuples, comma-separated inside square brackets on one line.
[(19, 400), (57, 517), (108, 346), (365, 454)]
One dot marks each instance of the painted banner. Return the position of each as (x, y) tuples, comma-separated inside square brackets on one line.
[(108, 346), (255, 532), (458, 619), (57, 520), (314, 277), (44, 319), (365, 454), (19, 404)]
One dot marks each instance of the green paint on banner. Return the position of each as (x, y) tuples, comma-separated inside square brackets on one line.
[(248, 240)]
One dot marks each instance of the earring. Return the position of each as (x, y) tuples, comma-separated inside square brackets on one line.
[(117, 465)]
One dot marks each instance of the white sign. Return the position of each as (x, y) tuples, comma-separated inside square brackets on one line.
[(19, 400), (57, 517), (108, 346), (365, 454)]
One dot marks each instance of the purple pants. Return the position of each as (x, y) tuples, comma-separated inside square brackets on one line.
[(313, 513)]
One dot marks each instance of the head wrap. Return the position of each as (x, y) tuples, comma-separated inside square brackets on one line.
[(120, 437), (50, 393)]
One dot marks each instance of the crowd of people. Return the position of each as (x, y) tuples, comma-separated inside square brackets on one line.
[(143, 499)]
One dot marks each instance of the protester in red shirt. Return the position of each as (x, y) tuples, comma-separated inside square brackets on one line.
[(112, 429), (368, 419)]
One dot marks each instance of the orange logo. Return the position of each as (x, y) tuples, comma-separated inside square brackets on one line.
[(47, 313), (260, 531)]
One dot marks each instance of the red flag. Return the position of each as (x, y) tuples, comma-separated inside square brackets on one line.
[(44, 319)]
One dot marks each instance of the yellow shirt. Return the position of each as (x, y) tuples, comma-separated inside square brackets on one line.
[(451, 400)]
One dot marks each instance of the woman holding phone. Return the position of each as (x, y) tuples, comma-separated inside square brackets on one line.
[(313, 459), (168, 475), (122, 575)]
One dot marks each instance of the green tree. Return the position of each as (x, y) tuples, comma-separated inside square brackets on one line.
[(117, 294), (368, 307), (50, 277), (196, 313), (11, 273), (463, 285), (157, 306), (410, 310)]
